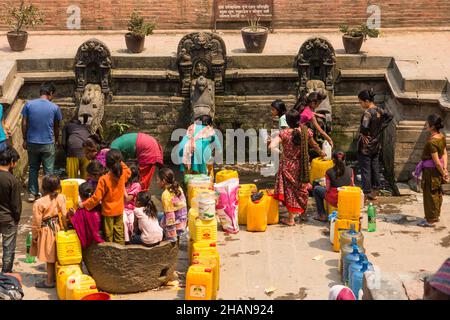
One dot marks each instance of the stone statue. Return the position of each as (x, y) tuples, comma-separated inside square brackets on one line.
[(202, 97), (92, 107)]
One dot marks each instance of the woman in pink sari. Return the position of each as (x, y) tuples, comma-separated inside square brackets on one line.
[(292, 181)]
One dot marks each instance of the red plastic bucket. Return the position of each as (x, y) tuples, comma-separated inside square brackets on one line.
[(97, 296)]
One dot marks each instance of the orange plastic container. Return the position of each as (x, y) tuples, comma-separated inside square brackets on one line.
[(257, 214), (79, 286), (62, 274), (224, 175), (244, 193), (199, 283), (318, 168), (328, 207), (97, 296), (342, 225), (69, 188), (273, 212), (349, 203)]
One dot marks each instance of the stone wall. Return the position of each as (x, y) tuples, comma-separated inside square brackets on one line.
[(182, 14)]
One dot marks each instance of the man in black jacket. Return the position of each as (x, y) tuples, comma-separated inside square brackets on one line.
[(10, 206)]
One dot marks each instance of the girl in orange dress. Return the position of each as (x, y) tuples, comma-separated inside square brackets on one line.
[(49, 212)]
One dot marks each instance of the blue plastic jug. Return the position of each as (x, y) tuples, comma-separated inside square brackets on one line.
[(356, 273), (349, 259)]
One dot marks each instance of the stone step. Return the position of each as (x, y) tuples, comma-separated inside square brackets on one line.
[(159, 74), (261, 73), (362, 73), (8, 69), (47, 76), (10, 93)]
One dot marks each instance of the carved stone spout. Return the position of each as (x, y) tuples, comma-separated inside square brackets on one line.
[(92, 107), (202, 97)]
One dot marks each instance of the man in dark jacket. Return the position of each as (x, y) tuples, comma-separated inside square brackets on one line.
[(10, 206), (373, 121)]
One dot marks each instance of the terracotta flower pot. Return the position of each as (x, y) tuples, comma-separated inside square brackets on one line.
[(134, 44), (254, 41), (352, 45), (17, 40)]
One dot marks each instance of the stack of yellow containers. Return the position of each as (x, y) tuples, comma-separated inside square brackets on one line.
[(349, 212), (202, 279), (71, 283)]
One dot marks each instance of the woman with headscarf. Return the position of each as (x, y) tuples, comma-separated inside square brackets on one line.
[(292, 181), (195, 149)]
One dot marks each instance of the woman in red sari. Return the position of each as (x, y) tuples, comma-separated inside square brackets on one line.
[(292, 182)]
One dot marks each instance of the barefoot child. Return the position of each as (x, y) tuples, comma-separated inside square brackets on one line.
[(149, 232), (48, 213), (174, 205), (111, 192), (132, 188)]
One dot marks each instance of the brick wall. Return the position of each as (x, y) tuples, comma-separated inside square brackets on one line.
[(196, 14)]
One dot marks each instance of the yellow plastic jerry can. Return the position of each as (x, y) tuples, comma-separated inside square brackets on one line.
[(199, 283), (205, 230), (62, 274), (342, 225), (224, 175), (80, 285), (349, 203), (273, 213), (68, 247), (257, 214), (69, 189), (244, 193), (319, 168)]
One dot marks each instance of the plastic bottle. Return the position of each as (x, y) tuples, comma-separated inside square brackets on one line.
[(371, 215), (356, 282), (357, 266), (349, 259), (29, 258), (326, 148)]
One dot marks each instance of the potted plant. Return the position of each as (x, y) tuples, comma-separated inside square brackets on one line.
[(18, 18), (354, 38), (254, 36), (135, 39)]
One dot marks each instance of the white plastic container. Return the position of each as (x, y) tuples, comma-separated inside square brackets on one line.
[(326, 148), (207, 209)]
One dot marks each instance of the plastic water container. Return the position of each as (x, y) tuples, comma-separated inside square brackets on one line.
[(68, 248), (189, 177), (192, 215), (207, 209), (318, 168), (204, 230), (326, 148), (349, 203), (329, 209), (273, 212), (200, 183), (97, 296), (209, 256), (62, 274), (244, 194), (332, 218), (224, 175), (257, 214), (79, 286), (199, 283), (346, 249), (346, 237), (356, 274), (340, 226), (348, 260), (69, 188)]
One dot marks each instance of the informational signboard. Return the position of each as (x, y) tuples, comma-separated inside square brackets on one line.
[(242, 10)]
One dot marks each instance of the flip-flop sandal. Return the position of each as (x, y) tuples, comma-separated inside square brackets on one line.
[(287, 222), (425, 224), (43, 285)]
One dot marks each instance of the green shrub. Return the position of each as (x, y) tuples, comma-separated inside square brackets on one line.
[(359, 31), (25, 15), (138, 27)]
